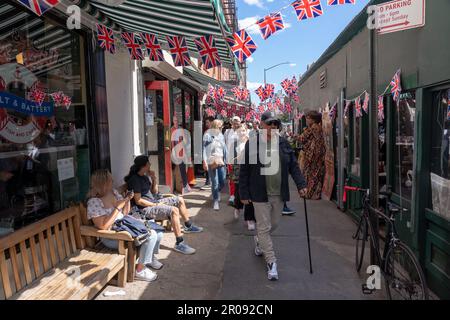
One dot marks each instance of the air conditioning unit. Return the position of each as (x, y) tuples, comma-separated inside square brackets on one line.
[(112, 3)]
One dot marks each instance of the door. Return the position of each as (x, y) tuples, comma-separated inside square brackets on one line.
[(157, 129)]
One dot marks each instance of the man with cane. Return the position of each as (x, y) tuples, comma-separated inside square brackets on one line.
[(264, 181)]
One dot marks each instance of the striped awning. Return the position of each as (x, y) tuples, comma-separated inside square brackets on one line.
[(189, 18)]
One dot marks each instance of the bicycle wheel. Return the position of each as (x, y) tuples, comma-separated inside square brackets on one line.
[(361, 238), (403, 275)]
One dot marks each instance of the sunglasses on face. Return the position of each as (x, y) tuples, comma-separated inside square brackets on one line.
[(273, 123)]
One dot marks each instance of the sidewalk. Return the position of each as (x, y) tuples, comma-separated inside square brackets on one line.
[(225, 267)]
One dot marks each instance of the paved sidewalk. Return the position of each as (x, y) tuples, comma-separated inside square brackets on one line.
[(225, 267)]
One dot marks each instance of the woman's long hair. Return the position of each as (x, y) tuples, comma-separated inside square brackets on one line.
[(99, 181), (139, 163)]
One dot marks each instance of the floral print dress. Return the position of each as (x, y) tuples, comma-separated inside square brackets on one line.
[(314, 152)]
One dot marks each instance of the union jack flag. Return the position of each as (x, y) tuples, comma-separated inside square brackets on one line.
[(270, 24), (333, 112), (269, 91), (358, 107), (179, 51), (57, 97), (288, 107), (245, 94), (296, 97), (211, 91), (366, 102), (242, 45), (208, 51), (210, 112), (66, 101), (237, 92), (396, 86), (223, 113), (39, 7), (294, 85), (278, 102), (338, 2), (105, 38), (380, 109), (261, 108), (286, 84), (307, 9), (219, 93), (261, 93), (133, 44), (154, 51)]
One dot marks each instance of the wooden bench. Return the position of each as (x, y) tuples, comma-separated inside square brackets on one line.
[(49, 260)]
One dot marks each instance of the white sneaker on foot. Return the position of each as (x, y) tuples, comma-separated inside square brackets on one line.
[(216, 205), (146, 274), (251, 225), (272, 272), (231, 200), (236, 213)]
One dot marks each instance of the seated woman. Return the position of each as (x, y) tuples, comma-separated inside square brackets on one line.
[(105, 205), (159, 209)]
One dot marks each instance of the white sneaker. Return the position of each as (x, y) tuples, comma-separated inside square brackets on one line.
[(236, 213), (231, 200), (156, 264), (272, 273), (216, 205), (258, 251), (146, 275), (251, 225)]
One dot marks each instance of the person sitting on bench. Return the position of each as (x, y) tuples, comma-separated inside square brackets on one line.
[(153, 208), (104, 206)]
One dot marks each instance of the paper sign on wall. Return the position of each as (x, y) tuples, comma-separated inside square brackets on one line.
[(66, 169), (149, 119)]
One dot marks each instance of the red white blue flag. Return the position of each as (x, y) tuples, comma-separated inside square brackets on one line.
[(270, 24), (242, 45), (339, 2), (380, 109), (39, 7), (358, 107), (294, 85), (237, 92), (307, 9), (286, 84), (133, 44), (396, 86), (151, 43), (219, 93), (208, 51), (245, 94), (179, 51), (366, 102), (261, 93), (269, 91), (105, 38)]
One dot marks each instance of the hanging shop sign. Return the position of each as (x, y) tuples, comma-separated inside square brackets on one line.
[(400, 15), (10, 101)]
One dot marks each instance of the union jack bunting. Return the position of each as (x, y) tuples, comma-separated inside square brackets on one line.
[(261, 108), (358, 107), (333, 112), (242, 45), (366, 102), (396, 86), (39, 7), (237, 92), (210, 112), (151, 43), (208, 51), (223, 113), (278, 102), (294, 85), (211, 90), (338, 2), (286, 84), (105, 38), (288, 107), (307, 9), (270, 24), (133, 44), (269, 91), (57, 97), (219, 93), (261, 93), (296, 98), (380, 109), (245, 94), (179, 51), (37, 95), (66, 101)]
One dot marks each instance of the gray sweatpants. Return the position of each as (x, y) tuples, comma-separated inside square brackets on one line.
[(267, 216)]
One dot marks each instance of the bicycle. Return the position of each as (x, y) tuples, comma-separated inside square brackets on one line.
[(404, 278)]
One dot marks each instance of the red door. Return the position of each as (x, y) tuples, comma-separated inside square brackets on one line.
[(160, 89)]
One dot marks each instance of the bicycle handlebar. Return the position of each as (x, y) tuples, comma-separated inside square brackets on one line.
[(349, 188)]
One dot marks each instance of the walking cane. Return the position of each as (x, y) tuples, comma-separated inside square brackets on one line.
[(307, 234)]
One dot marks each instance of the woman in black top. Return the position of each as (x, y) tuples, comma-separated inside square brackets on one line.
[(160, 209)]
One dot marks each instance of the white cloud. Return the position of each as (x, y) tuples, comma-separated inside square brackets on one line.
[(250, 59), (250, 23), (253, 85), (257, 3)]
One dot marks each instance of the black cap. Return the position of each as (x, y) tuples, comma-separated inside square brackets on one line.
[(269, 116)]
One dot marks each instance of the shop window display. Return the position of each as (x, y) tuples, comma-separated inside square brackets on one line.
[(42, 118), (404, 145), (440, 154)]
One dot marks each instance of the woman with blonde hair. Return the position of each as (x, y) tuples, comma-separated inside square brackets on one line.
[(105, 206), (214, 155)]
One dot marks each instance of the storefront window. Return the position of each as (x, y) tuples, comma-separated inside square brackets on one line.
[(356, 145), (43, 147), (404, 145), (440, 153)]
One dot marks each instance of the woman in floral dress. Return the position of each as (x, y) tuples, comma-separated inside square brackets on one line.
[(313, 146)]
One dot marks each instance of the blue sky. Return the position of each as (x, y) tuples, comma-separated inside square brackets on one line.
[(302, 42)]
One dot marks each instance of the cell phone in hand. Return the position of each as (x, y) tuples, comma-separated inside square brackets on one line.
[(129, 194)]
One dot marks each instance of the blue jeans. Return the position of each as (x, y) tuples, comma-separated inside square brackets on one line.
[(146, 250), (217, 177)]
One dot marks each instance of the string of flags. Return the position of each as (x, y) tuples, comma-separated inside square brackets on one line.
[(38, 95)]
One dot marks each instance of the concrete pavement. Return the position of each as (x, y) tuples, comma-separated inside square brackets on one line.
[(225, 267)]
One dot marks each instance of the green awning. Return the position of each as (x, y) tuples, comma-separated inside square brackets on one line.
[(189, 18)]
